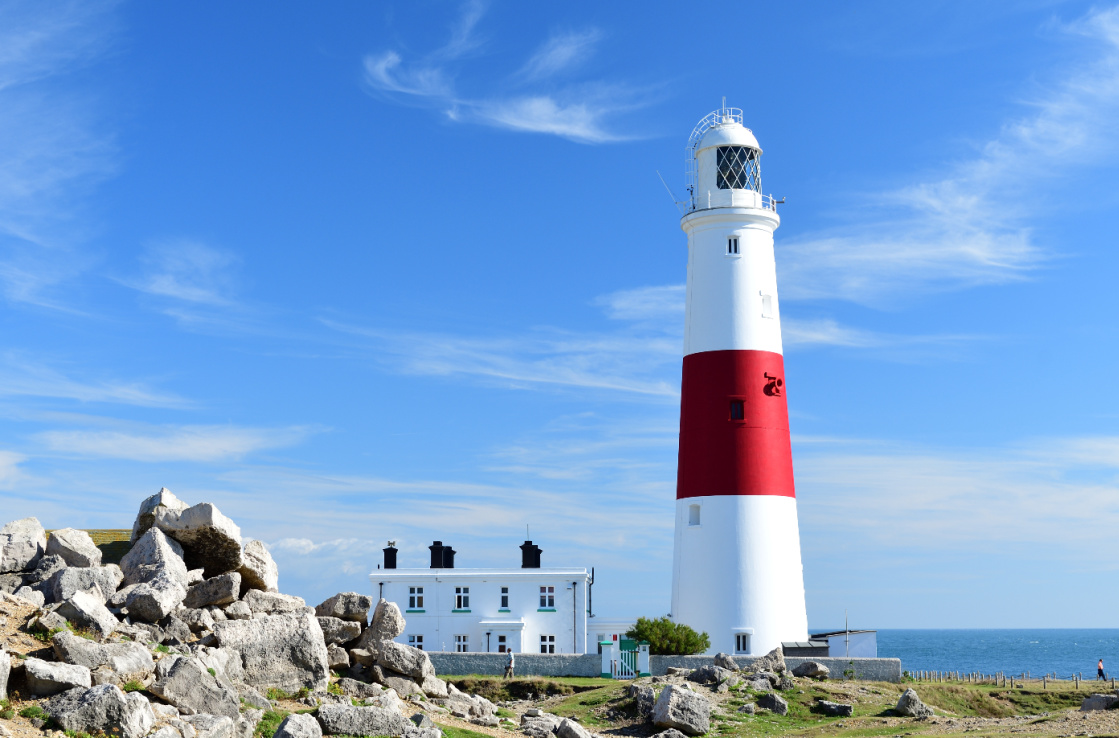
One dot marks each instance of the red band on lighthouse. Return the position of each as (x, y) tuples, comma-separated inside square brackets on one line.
[(734, 426)]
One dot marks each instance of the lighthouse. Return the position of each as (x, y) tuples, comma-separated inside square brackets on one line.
[(737, 571)]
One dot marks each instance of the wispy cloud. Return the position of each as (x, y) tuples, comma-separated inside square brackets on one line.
[(187, 270), (51, 150), (21, 376), (203, 443), (579, 112), (971, 227), (560, 53), (10, 473)]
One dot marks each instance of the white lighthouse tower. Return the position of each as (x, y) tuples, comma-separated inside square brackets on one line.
[(736, 571)]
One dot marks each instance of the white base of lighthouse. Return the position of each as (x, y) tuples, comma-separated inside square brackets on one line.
[(737, 571)]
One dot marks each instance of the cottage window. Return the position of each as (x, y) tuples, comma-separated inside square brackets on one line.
[(504, 599), (462, 598), (415, 598), (416, 641), (502, 644), (462, 644), (547, 597), (547, 644)]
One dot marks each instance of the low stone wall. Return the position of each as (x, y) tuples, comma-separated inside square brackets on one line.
[(590, 665)]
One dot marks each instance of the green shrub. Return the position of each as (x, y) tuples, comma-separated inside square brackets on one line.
[(33, 711), (132, 686), (268, 724), (667, 638), (162, 649), (212, 672), (333, 688)]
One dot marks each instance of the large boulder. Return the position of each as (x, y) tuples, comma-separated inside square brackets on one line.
[(258, 570), (188, 684), (223, 589), (9, 583), (725, 661), (349, 606), (154, 600), (5, 672), (298, 726), (388, 623), (339, 631), (833, 709), (210, 540), (568, 728), (910, 705), (362, 721), (163, 499), (709, 674), (336, 657), (22, 543), (282, 651), (46, 678), (63, 584), (197, 620), (45, 568), (88, 611), (211, 726), (682, 709), (401, 684), (127, 661), (103, 709), (226, 663), (154, 554), (273, 603), (774, 703), (644, 698), (772, 661), (74, 546), (1092, 702), (404, 660), (811, 670)]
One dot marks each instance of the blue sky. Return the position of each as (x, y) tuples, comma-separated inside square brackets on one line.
[(406, 271)]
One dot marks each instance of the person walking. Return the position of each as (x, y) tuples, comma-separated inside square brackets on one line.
[(509, 666), (1099, 671)]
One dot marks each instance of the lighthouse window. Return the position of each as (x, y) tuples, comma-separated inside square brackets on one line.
[(738, 168), (767, 305), (732, 245), (462, 598), (693, 514), (742, 643), (737, 410)]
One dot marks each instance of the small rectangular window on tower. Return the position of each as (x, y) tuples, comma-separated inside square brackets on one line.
[(693, 514), (767, 305), (742, 643), (737, 410), (732, 246)]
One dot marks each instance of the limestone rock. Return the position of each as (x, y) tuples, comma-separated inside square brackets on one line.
[(74, 546), (336, 657), (388, 623), (127, 660), (210, 540), (88, 611), (148, 508), (748, 709), (433, 686), (772, 661), (5, 672), (682, 709), (363, 656), (299, 726), (726, 661), (33, 596), (835, 709), (568, 728), (22, 543), (154, 600), (154, 554), (670, 733), (226, 663), (220, 590), (361, 690), (47, 678), (362, 721), (10, 582), (421, 720), (258, 570), (910, 705), (811, 670), (709, 674), (273, 603), (217, 613), (175, 631), (188, 684), (102, 709), (338, 631), (238, 611), (246, 723), (197, 620), (405, 660), (399, 683), (282, 651), (211, 726), (64, 583), (774, 703), (1091, 702), (644, 697), (349, 606)]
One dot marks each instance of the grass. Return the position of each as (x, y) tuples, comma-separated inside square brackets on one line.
[(496, 689), (162, 648), (452, 732), (268, 724), (275, 694), (34, 711), (6, 711), (132, 686), (333, 688), (210, 669)]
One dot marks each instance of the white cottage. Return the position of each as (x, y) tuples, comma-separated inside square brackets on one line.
[(527, 610)]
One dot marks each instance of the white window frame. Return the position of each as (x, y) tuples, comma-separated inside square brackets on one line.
[(767, 304), (502, 644), (415, 598), (547, 643), (416, 641), (741, 643), (733, 246), (462, 644), (504, 598), (462, 598), (548, 595)]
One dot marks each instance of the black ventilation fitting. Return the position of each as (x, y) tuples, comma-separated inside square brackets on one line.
[(442, 557), (390, 557), (530, 555)]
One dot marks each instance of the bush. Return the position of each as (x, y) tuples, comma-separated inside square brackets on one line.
[(132, 686), (667, 638)]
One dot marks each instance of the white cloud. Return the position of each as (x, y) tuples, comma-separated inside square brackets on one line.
[(971, 227), (189, 271), (10, 473), (561, 52), (645, 303), (205, 443), (21, 376)]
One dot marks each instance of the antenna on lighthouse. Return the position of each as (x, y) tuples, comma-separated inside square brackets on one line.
[(678, 203)]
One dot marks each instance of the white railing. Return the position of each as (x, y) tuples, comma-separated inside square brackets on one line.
[(719, 199)]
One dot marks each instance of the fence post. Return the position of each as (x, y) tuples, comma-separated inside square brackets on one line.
[(607, 657), (643, 660), (1045, 681)]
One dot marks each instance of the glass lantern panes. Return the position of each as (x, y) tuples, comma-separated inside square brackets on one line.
[(739, 168)]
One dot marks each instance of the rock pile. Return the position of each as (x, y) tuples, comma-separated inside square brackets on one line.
[(186, 637)]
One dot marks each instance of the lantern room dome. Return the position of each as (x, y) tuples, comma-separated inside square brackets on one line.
[(728, 133)]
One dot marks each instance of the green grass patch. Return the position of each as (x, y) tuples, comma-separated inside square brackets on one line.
[(505, 713), (268, 724), (333, 688), (160, 648), (132, 686), (210, 669), (496, 689), (450, 732), (34, 711)]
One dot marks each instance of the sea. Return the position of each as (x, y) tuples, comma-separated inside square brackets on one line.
[(1062, 652)]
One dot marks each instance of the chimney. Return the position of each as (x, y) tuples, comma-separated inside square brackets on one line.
[(390, 555), (530, 555), (442, 557)]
